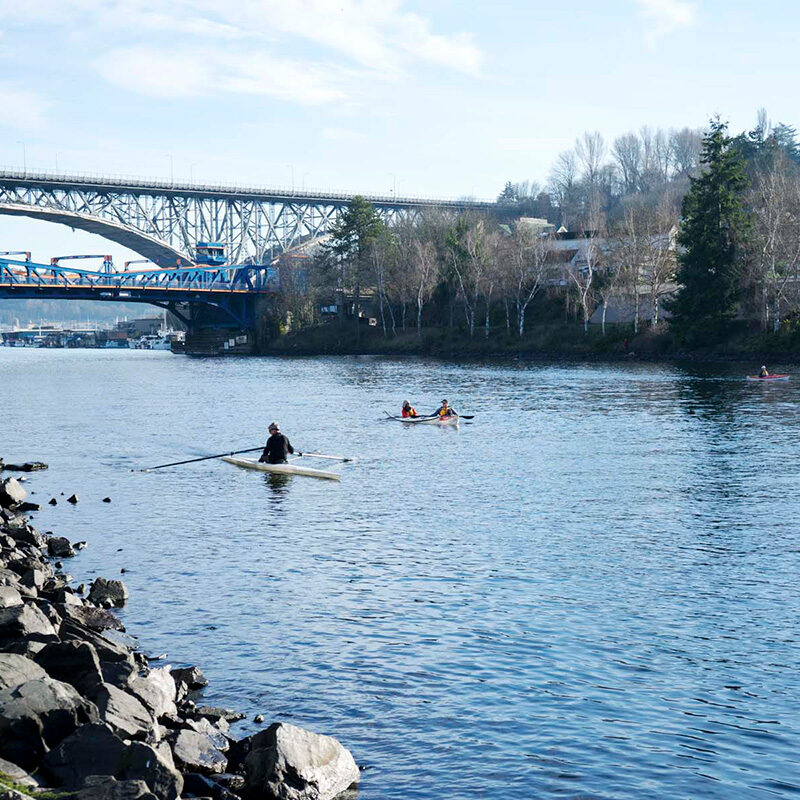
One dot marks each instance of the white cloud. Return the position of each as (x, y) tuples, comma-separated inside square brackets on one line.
[(21, 109), (665, 17), (189, 73)]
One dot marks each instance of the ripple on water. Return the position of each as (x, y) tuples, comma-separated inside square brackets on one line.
[(590, 592)]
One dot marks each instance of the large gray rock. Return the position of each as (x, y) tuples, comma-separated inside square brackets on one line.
[(108, 593), (106, 787), (17, 774), (122, 711), (288, 763), (59, 547), (98, 619), (9, 578), (75, 663), (9, 597), (36, 716), (217, 737), (196, 753), (11, 493), (26, 534), (157, 691), (188, 679), (26, 621), (106, 649), (154, 766), (17, 669), (97, 750)]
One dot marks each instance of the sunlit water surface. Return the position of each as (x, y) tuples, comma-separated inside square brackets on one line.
[(590, 591)]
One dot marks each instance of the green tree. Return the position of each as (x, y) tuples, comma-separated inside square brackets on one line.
[(712, 236), (351, 249)]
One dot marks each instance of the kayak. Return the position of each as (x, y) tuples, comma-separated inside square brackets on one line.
[(281, 469), (451, 420), (768, 378)]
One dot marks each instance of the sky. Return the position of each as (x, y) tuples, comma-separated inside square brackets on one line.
[(438, 99)]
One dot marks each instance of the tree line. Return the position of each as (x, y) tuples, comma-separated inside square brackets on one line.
[(713, 216)]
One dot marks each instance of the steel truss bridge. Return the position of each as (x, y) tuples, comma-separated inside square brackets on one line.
[(163, 221), (221, 297)]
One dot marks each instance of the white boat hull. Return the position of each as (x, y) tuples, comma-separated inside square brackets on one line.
[(281, 469), (451, 420)]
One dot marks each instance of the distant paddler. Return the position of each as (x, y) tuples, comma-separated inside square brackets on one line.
[(277, 448), (763, 373), (445, 411), (408, 410)]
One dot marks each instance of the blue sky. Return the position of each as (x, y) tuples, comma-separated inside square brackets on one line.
[(438, 99)]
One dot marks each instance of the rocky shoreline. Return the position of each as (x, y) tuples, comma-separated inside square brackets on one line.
[(85, 715)]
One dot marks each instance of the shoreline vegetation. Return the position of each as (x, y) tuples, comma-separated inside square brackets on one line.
[(86, 715), (546, 342), (682, 243)]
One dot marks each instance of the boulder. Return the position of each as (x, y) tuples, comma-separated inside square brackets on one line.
[(9, 597), (59, 547), (217, 737), (36, 716), (16, 669), (195, 752), (28, 466), (26, 621), (11, 493), (106, 649), (52, 501), (9, 578), (28, 506), (106, 499), (91, 750), (142, 762), (27, 534), (188, 679), (33, 579), (106, 787), (73, 498), (288, 763), (73, 662), (17, 774), (119, 673), (122, 711), (157, 691), (97, 619), (105, 592)]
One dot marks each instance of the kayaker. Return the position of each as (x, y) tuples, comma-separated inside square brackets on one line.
[(763, 372), (445, 410), (408, 410), (277, 448)]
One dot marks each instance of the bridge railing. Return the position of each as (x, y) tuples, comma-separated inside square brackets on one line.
[(255, 278)]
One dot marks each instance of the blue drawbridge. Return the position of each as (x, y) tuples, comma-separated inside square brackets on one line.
[(202, 296)]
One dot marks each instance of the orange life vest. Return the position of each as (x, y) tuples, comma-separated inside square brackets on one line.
[(409, 412)]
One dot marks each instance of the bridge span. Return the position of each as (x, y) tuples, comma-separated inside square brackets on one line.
[(164, 220), (215, 297)]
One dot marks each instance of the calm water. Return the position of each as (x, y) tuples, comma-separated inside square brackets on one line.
[(592, 591)]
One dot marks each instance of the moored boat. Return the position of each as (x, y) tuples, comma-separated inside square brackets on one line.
[(281, 469)]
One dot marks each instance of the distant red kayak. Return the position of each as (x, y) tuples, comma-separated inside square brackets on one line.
[(768, 378)]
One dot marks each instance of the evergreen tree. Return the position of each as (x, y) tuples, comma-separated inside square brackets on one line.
[(712, 235), (351, 249)]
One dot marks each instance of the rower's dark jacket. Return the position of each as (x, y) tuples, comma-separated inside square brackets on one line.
[(277, 449)]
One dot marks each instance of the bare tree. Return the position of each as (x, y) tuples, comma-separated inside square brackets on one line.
[(686, 146), (585, 264), (525, 261), (590, 150), (627, 152)]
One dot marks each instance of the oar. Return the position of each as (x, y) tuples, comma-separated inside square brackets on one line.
[(319, 455), (193, 460)]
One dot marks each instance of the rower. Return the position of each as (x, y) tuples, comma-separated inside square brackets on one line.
[(763, 372), (277, 448), (445, 410), (408, 410)]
